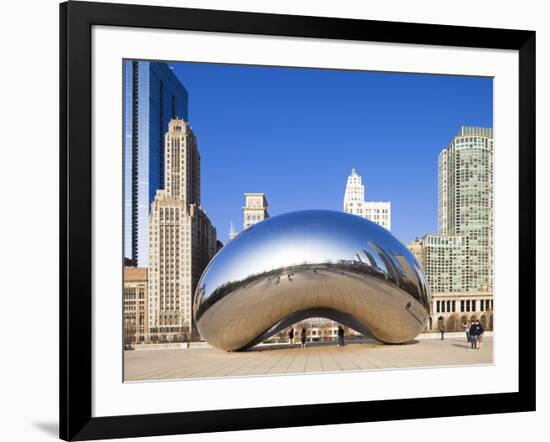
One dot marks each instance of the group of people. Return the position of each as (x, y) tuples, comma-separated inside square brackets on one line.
[(474, 334), (303, 336)]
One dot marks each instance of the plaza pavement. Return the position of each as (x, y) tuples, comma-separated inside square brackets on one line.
[(275, 360)]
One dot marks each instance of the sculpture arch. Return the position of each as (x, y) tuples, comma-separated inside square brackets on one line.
[(309, 264)]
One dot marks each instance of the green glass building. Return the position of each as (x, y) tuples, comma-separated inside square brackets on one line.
[(460, 257)]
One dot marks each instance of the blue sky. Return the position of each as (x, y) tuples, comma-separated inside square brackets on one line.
[(296, 133)]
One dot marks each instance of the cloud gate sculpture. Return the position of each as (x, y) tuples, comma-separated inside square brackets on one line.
[(314, 263)]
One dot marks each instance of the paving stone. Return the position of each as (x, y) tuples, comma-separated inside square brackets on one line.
[(213, 363)]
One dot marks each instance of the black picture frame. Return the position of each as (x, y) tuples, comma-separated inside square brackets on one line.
[(76, 21)]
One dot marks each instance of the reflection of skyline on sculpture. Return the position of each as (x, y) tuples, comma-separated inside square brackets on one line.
[(319, 261)]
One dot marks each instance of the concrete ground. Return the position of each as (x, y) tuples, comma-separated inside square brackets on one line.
[(210, 362)]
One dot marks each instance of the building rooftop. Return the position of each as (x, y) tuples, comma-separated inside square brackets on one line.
[(135, 274)]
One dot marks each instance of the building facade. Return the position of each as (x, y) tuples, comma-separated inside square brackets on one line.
[(446, 264), (135, 305), (460, 257), (466, 200), (354, 203), (317, 330), (182, 239), (152, 97), (255, 209), (454, 310), (417, 249), (458, 261)]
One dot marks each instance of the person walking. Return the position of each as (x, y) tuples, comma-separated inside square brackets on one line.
[(291, 336), (340, 336), (442, 331), (467, 330), (473, 336), (480, 330), (303, 336)]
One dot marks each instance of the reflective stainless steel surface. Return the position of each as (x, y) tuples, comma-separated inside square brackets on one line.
[(309, 264)]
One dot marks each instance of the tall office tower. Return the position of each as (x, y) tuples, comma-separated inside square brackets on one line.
[(255, 209), (181, 238), (354, 203), (460, 258), (466, 187), (152, 97)]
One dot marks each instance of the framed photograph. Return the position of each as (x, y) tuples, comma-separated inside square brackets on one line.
[(273, 220)]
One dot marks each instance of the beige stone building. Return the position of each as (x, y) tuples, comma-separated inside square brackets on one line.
[(451, 311), (182, 239), (416, 247), (135, 305), (255, 209)]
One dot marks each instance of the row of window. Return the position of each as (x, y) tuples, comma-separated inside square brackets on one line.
[(466, 305), (254, 217)]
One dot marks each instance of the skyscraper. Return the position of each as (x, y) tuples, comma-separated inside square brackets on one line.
[(181, 238), (458, 261), (460, 257), (152, 97), (354, 203)]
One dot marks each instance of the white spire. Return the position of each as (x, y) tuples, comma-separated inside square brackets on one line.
[(232, 232)]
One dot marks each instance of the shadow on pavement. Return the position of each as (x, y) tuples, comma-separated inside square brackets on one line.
[(461, 345), (367, 342)]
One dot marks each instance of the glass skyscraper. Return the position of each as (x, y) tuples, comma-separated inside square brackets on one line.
[(152, 97), (460, 257)]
